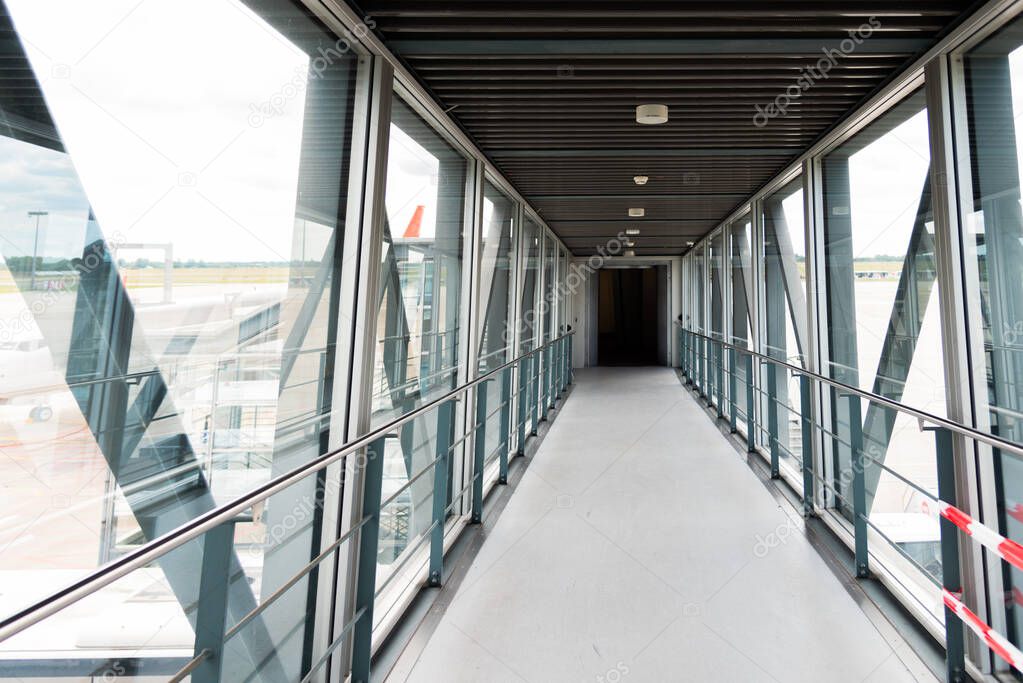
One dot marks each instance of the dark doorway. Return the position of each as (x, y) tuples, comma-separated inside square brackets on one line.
[(629, 309)]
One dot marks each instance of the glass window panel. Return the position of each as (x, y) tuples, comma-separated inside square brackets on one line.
[(530, 278), (548, 308), (700, 300), (421, 275), (497, 298), (784, 274), (784, 316), (699, 312), (499, 234), (565, 297), (994, 245), (418, 327), (717, 286), (740, 236), (550, 286), (715, 258), (883, 323), (169, 258)]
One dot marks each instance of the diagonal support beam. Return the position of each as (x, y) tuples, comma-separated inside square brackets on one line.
[(795, 293), (101, 347), (916, 283)]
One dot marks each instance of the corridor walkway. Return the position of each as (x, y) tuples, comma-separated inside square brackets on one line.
[(629, 552)]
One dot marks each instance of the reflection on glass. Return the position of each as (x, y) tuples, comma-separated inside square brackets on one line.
[(699, 313), (421, 275), (548, 307), (497, 298), (784, 315), (785, 274), (715, 256), (550, 286), (417, 354), (530, 282), (698, 290), (994, 241), (715, 259), (169, 254), (564, 295), (883, 321), (741, 253)]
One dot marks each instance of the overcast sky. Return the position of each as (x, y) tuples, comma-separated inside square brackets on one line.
[(155, 108), (156, 115)]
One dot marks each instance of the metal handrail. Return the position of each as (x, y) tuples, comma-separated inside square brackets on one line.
[(160, 546), (921, 415), (835, 437)]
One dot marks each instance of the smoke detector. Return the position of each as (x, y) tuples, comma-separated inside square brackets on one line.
[(652, 114)]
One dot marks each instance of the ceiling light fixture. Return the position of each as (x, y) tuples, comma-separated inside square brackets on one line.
[(628, 252), (632, 231), (630, 243), (689, 244), (641, 179), (652, 114), (637, 213)]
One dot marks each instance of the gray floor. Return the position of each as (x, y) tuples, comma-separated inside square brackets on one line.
[(639, 547)]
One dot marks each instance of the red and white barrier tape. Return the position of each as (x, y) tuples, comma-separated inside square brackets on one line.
[(1008, 550), (993, 639)]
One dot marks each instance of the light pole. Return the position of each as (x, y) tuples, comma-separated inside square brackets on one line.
[(38, 215)]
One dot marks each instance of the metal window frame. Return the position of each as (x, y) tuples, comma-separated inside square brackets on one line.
[(379, 78), (987, 19), (367, 185), (943, 62), (831, 515), (403, 595), (967, 366), (734, 228), (490, 476), (363, 249), (726, 316)]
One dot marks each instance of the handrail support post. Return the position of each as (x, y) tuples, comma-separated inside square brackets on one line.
[(951, 580), (211, 613), (751, 407), (733, 419), (479, 452), (719, 380), (445, 423), (369, 544), (506, 388), (772, 420), (859, 482), (806, 415)]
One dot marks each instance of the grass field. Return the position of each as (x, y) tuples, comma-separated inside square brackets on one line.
[(139, 278), (143, 278)]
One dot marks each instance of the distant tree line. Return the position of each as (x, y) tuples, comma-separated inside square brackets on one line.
[(870, 259), (23, 264)]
